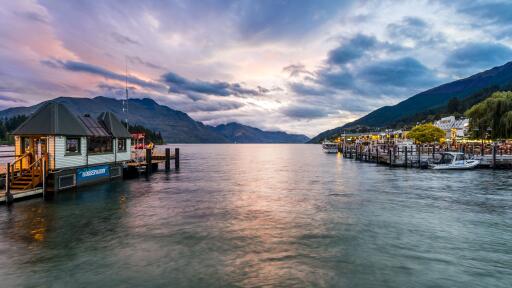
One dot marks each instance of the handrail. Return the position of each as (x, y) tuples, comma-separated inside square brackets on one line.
[(36, 165), (21, 158), (36, 162), (13, 165), (39, 163)]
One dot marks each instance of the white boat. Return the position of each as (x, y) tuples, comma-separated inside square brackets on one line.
[(454, 161), (329, 147)]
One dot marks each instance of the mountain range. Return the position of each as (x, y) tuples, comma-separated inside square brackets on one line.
[(175, 126), (239, 133), (473, 87)]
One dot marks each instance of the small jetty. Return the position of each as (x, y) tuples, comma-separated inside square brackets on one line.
[(55, 151)]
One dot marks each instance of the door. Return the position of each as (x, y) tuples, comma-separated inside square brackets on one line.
[(40, 148)]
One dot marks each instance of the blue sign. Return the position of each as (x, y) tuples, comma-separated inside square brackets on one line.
[(92, 173)]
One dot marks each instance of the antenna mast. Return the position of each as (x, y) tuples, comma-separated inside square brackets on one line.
[(125, 102)]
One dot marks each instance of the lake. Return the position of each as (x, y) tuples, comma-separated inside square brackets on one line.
[(267, 215)]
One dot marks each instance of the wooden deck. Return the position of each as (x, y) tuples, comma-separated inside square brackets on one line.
[(143, 163), (20, 194)]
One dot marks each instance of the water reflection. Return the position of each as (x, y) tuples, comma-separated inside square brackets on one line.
[(267, 215)]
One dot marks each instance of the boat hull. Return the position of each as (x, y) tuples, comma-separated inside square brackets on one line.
[(457, 166)]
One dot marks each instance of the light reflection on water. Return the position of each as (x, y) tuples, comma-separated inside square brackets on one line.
[(267, 215)]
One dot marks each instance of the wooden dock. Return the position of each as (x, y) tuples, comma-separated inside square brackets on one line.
[(146, 165), (22, 194), (416, 156)]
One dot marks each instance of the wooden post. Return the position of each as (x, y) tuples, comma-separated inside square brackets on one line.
[(418, 150), (406, 156), (177, 158), (167, 159), (377, 152), (390, 161), (43, 173), (148, 162), (494, 155), (395, 153), (8, 195)]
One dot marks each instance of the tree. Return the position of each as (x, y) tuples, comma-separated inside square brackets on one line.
[(453, 105), (426, 133), (492, 117)]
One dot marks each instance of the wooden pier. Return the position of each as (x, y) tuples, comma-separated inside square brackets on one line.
[(151, 161), (418, 156)]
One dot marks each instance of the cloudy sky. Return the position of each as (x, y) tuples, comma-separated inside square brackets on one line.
[(297, 66)]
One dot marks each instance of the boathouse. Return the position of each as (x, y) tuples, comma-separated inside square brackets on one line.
[(67, 151)]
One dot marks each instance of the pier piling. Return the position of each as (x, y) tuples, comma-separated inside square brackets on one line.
[(418, 150), (494, 155), (406, 156), (149, 161), (177, 158), (389, 152), (167, 159), (8, 195)]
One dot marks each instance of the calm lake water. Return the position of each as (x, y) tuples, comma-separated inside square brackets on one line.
[(267, 215)]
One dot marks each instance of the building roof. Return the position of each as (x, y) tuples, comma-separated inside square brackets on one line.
[(52, 119), (113, 125), (450, 122), (94, 127)]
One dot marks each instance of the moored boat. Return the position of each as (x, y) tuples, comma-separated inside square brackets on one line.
[(329, 147), (454, 161)]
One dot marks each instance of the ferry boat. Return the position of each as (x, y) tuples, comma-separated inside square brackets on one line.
[(329, 147), (454, 161)]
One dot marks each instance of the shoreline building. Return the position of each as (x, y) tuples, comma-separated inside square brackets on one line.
[(454, 128), (68, 151)]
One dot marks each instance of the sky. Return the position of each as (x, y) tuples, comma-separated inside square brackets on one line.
[(295, 66)]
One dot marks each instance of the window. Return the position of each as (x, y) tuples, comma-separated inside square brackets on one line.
[(67, 181), (72, 145), (446, 159), (121, 145), (100, 145)]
